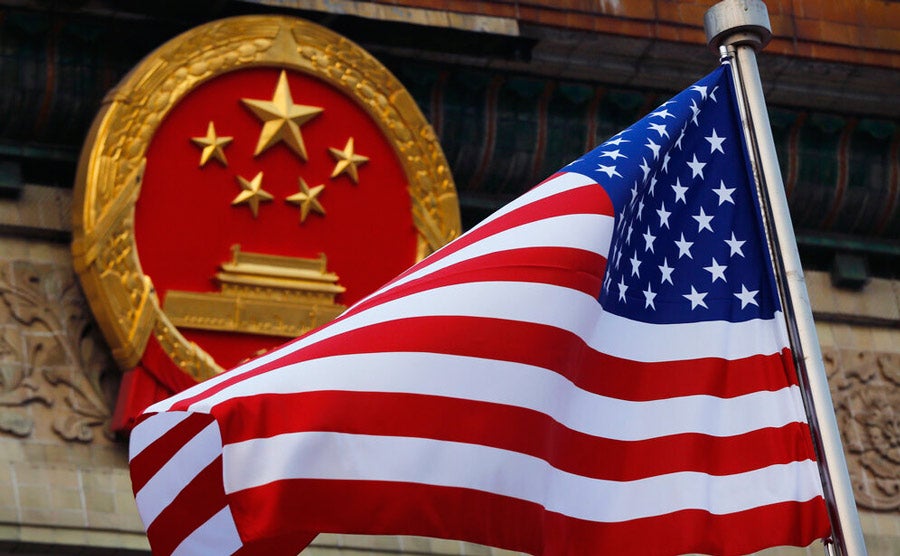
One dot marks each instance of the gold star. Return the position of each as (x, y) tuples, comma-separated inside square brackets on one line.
[(252, 193), (347, 161), (281, 119), (212, 146), (306, 200)]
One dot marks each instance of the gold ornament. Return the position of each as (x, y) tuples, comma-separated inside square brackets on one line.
[(347, 161), (213, 146), (110, 170), (281, 119), (252, 193), (307, 200)]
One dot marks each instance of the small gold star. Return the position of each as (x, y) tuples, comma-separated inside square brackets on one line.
[(212, 145), (281, 119), (252, 193), (306, 200), (347, 161)]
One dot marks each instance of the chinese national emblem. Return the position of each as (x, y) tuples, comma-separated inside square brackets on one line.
[(243, 185)]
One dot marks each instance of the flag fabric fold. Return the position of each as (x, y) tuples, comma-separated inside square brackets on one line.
[(600, 367)]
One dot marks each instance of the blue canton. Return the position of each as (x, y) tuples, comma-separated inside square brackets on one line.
[(688, 244)]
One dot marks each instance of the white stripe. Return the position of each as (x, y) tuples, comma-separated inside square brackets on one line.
[(641, 341), (553, 186), (589, 232), (578, 313), (324, 455), (178, 472), (219, 535), (526, 386), (149, 430), (573, 310)]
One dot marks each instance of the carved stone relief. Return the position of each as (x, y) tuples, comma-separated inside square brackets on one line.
[(865, 387), (51, 355)]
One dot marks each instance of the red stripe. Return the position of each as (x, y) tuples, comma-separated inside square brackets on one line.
[(201, 499), (509, 428), (145, 464), (493, 520), (550, 348), (589, 199), (541, 265)]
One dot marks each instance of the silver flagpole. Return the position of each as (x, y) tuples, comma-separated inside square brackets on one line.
[(740, 28)]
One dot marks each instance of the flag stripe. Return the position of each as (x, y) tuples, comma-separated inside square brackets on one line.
[(519, 525), (152, 429), (218, 535), (633, 340), (623, 379), (505, 382), (349, 457), (163, 487), (556, 196), (590, 232), (200, 500), (518, 429), (145, 463), (564, 265)]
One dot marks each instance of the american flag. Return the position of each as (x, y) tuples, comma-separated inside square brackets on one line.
[(601, 367)]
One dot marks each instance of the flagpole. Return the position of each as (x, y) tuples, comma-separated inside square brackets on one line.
[(741, 27)]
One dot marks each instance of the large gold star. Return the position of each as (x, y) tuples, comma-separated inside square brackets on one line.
[(252, 193), (347, 161), (212, 146), (281, 119), (306, 200)]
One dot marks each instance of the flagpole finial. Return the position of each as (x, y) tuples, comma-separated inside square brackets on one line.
[(734, 22)]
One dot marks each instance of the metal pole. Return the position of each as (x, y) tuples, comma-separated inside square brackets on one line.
[(742, 26)]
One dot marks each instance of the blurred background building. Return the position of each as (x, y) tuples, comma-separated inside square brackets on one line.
[(514, 90)]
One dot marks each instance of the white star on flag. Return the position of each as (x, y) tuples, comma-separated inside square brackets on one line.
[(663, 215), (653, 147), (649, 295), (724, 193), (679, 191), (735, 246), (608, 170), (703, 221), (747, 297), (615, 155), (666, 271), (684, 247), (716, 270), (715, 142), (696, 167), (696, 298), (648, 240), (659, 128)]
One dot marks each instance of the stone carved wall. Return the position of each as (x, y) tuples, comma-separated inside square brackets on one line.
[(51, 354), (865, 387)]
